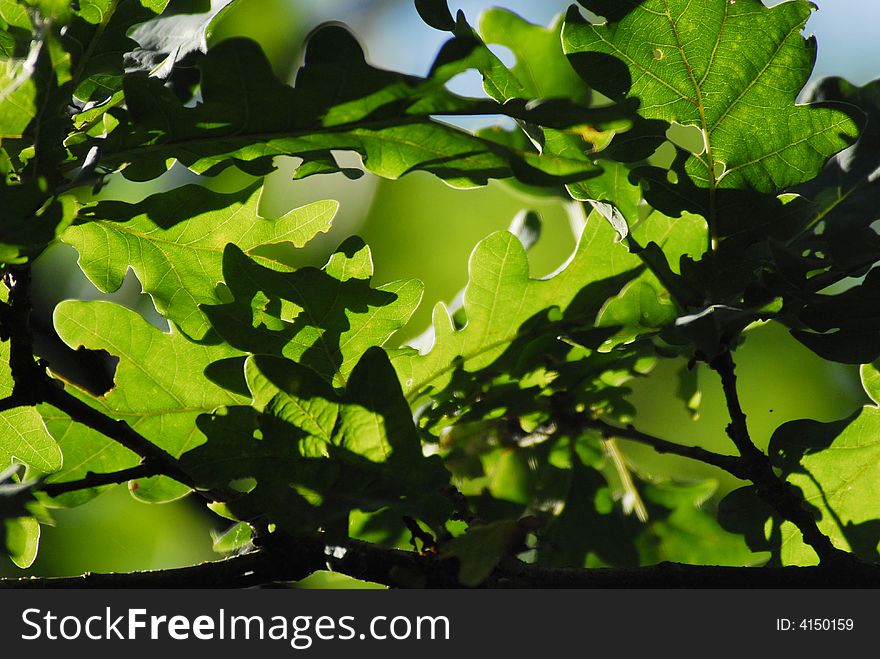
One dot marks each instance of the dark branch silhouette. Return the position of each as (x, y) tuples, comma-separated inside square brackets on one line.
[(293, 559)]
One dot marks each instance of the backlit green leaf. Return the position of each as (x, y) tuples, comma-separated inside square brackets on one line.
[(98, 40), (325, 319), (174, 242), (18, 90), (316, 454), (501, 298), (22, 540), (871, 380), (248, 116), (718, 66), (159, 389), (838, 476), (536, 49), (173, 35), (23, 436), (681, 530), (837, 466), (236, 538)]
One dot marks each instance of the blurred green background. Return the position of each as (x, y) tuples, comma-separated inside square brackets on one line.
[(417, 227)]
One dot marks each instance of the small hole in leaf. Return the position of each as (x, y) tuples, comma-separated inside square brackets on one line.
[(672, 177), (657, 54), (719, 169), (664, 156), (689, 138)]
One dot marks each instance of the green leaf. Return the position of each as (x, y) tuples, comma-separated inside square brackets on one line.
[(680, 530), (84, 450), (22, 540), (167, 39), (837, 467), (98, 39), (15, 495), (371, 419), (19, 532), (376, 422), (500, 298), (23, 436), (482, 547), (159, 389), (590, 530), (838, 478), (718, 66), (316, 454), (841, 198), (541, 67), (612, 195), (871, 380), (325, 319), (15, 29), (237, 537), (174, 242), (552, 351), (639, 308), (33, 109), (18, 90), (247, 116)]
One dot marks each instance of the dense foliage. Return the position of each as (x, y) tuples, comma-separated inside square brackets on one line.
[(496, 451)]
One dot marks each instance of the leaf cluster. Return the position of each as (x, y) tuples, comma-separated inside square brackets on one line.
[(708, 199)]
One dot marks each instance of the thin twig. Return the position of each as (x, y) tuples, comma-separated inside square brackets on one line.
[(729, 463), (737, 429), (118, 431), (93, 480)]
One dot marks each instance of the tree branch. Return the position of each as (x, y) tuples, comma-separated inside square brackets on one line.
[(10, 403), (729, 463), (737, 429), (292, 559), (120, 432), (28, 374), (776, 492), (92, 480)]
